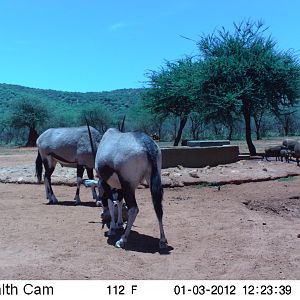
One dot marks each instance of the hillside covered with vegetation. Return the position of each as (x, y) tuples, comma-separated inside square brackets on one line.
[(117, 101), (62, 108), (68, 109)]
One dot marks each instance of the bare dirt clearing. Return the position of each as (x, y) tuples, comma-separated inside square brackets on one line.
[(246, 231)]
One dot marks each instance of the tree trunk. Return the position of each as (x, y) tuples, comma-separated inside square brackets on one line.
[(32, 137), (247, 117), (159, 132), (258, 137), (286, 126), (195, 127), (230, 132), (257, 128), (179, 134), (216, 130), (174, 127)]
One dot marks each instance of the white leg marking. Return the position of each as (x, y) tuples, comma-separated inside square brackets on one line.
[(98, 202), (132, 213)]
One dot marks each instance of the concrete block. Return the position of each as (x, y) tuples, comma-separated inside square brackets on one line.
[(207, 143), (197, 157)]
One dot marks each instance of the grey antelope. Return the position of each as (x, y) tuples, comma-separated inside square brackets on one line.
[(124, 160), (71, 147)]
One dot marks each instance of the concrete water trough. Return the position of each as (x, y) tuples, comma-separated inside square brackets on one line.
[(197, 157), (207, 143)]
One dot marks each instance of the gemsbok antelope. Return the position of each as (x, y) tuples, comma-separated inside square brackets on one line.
[(71, 147), (123, 161)]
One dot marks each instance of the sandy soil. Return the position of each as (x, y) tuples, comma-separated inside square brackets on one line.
[(233, 231)]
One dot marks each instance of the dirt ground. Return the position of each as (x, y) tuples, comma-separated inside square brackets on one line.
[(216, 229)]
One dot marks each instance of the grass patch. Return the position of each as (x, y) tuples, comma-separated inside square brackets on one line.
[(284, 179)]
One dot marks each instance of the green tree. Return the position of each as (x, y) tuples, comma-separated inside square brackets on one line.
[(97, 116), (243, 71), (30, 113), (287, 119), (143, 120), (221, 110), (197, 121), (172, 91)]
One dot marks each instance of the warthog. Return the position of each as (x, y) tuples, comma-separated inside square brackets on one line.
[(296, 152), (273, 151)]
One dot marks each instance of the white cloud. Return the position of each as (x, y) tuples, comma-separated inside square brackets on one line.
[(117, 26)]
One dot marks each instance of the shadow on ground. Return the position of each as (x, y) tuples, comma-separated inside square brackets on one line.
[(140, 243), (72, 203)]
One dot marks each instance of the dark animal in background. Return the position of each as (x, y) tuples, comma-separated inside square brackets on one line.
[(294, 147), (155, 137), (273, 151), (296, 152), (289, 144), (285, 154)]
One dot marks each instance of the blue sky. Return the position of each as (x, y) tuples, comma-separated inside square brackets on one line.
[(96, 45)]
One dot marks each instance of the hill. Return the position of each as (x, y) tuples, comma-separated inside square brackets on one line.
[(117, 101)]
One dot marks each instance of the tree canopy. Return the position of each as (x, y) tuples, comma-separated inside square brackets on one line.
[(245, 73), (173, 90), (97, 117), (239, 73), (29, 114)]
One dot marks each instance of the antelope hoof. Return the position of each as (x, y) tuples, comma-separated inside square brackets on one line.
[(53, 200), (52, 203), (163, 244), (120, 244)]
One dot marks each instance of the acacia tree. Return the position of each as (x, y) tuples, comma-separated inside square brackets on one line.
[(143, 120), (221, 111), (243, 71), (172, 91), (196, 120), (29, 113), (287, 119), (97, 116)]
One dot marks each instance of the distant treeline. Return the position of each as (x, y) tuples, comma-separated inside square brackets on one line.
[(106, 109)]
